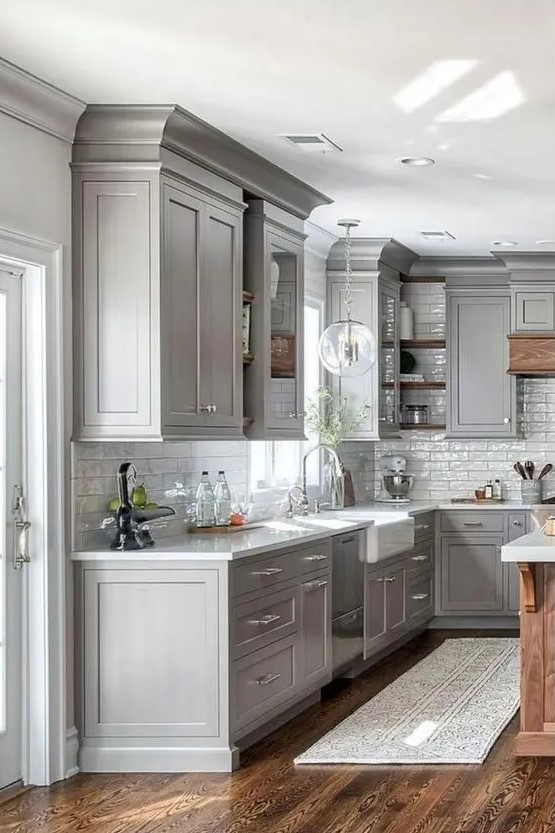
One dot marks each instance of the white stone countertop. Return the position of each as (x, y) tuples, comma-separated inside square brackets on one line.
[(274, 535), (532, 547)]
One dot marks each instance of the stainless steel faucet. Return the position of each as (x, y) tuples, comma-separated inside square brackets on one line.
[(338, 479)]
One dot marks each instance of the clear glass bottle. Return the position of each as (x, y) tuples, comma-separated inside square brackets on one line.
[(489, 490), (497, 489), (222, 500), (205, 502)]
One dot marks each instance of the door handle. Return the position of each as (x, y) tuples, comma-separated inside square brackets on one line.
[(20, 554)]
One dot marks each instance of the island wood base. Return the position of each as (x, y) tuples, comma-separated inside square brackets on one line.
[(537, 651)]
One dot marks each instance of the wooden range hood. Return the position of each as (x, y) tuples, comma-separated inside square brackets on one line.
[(532, 354)]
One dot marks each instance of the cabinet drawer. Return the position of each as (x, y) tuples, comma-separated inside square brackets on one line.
[(263, 572), (421, 558), (316, 557), (420, 597), (518, 525), (263, 680), (263, 621), (424, 526), (470, 521)]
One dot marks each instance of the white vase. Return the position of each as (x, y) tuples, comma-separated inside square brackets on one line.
[(407, 322)]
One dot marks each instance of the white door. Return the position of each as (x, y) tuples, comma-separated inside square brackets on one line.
[(12, 527)]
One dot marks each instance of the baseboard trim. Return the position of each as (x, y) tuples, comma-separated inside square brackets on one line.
[(72, 752), (157, 759)]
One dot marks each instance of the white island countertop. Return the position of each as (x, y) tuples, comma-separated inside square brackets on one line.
[(269, 536), (532, 547)]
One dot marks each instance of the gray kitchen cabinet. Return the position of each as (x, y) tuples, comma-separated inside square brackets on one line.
[(471, 573), (385, 610), (274, 274), (481, 394), (157, 306), (201, 303), (315, 648), (533, 309), (376, 304), (395, 600)]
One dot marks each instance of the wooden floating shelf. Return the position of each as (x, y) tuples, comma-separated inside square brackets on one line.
[(248, 358), (425, 427), (417, 385), (425, 343), (248, 297)]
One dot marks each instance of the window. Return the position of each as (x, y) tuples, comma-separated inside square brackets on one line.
[(278, 463)]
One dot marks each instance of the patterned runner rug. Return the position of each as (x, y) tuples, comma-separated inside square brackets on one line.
[(449, 709)]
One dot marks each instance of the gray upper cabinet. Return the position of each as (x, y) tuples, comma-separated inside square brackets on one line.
[(158, 310), (274, 273), (533, 309), (200, 314), (158, 203), (481, 394)]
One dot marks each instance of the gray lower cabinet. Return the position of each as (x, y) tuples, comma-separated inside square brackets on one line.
[(375, 621), (481, 394), (471, 578), (315, 647), (471, 573)]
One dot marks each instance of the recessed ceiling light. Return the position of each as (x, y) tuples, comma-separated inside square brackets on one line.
[(545, 243), (415, 161), (505, 243)]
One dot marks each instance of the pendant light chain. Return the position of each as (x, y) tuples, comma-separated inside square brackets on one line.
[(349, 279)]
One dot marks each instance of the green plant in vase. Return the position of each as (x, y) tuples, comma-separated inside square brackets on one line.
[(330, 419)]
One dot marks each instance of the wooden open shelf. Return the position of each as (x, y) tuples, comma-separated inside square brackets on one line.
[(425, 343), (426, 427), (417, 385), (248, 297)]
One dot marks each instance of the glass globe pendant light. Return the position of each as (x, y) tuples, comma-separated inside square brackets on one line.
[(347, 347)]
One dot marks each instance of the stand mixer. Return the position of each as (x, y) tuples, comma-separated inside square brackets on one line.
[(395, 483)]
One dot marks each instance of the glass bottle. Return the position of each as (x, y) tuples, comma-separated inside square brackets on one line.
[(222, 500), (205, 502)]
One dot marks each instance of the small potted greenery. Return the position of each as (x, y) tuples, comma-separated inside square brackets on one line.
[(330, 419)]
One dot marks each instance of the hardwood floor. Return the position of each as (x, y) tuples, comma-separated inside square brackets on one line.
[(269, 795)]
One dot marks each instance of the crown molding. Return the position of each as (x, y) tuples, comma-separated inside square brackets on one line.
[(529, 267), (368, 253), (460, 266), (318, 240), (132, 133), (35, 102)]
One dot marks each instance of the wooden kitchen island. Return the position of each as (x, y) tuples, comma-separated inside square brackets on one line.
[(535, 556)]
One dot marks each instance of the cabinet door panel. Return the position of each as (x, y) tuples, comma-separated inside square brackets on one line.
[(534, 311), (395, 596), (315, 651), (114, 299), (220, 317), (375, 623), (181, 275), (471, 573), (482, 396), (151, 653)]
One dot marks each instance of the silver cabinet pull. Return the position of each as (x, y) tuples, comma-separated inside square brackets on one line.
[(316, 558), (419, 597), (419, 557), (517, 523), (390, 579), (267, 619), (270, 571), (418, 527), (314, 585), (209, 409), (267, 679), (473, 523), (292, 415)]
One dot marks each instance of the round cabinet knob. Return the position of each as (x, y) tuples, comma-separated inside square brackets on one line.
[(507, 420), (517, 523), (292, 415)]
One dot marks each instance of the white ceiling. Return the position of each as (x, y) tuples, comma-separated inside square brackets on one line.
[(484, 105)]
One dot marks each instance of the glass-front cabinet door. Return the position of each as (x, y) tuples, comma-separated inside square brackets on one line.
[(388, 360), (284, 367)]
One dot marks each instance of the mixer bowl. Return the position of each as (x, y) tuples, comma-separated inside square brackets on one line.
[(398, 485)]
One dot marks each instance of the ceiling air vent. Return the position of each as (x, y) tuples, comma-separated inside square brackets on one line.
[(311, 142), (438, 235)]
